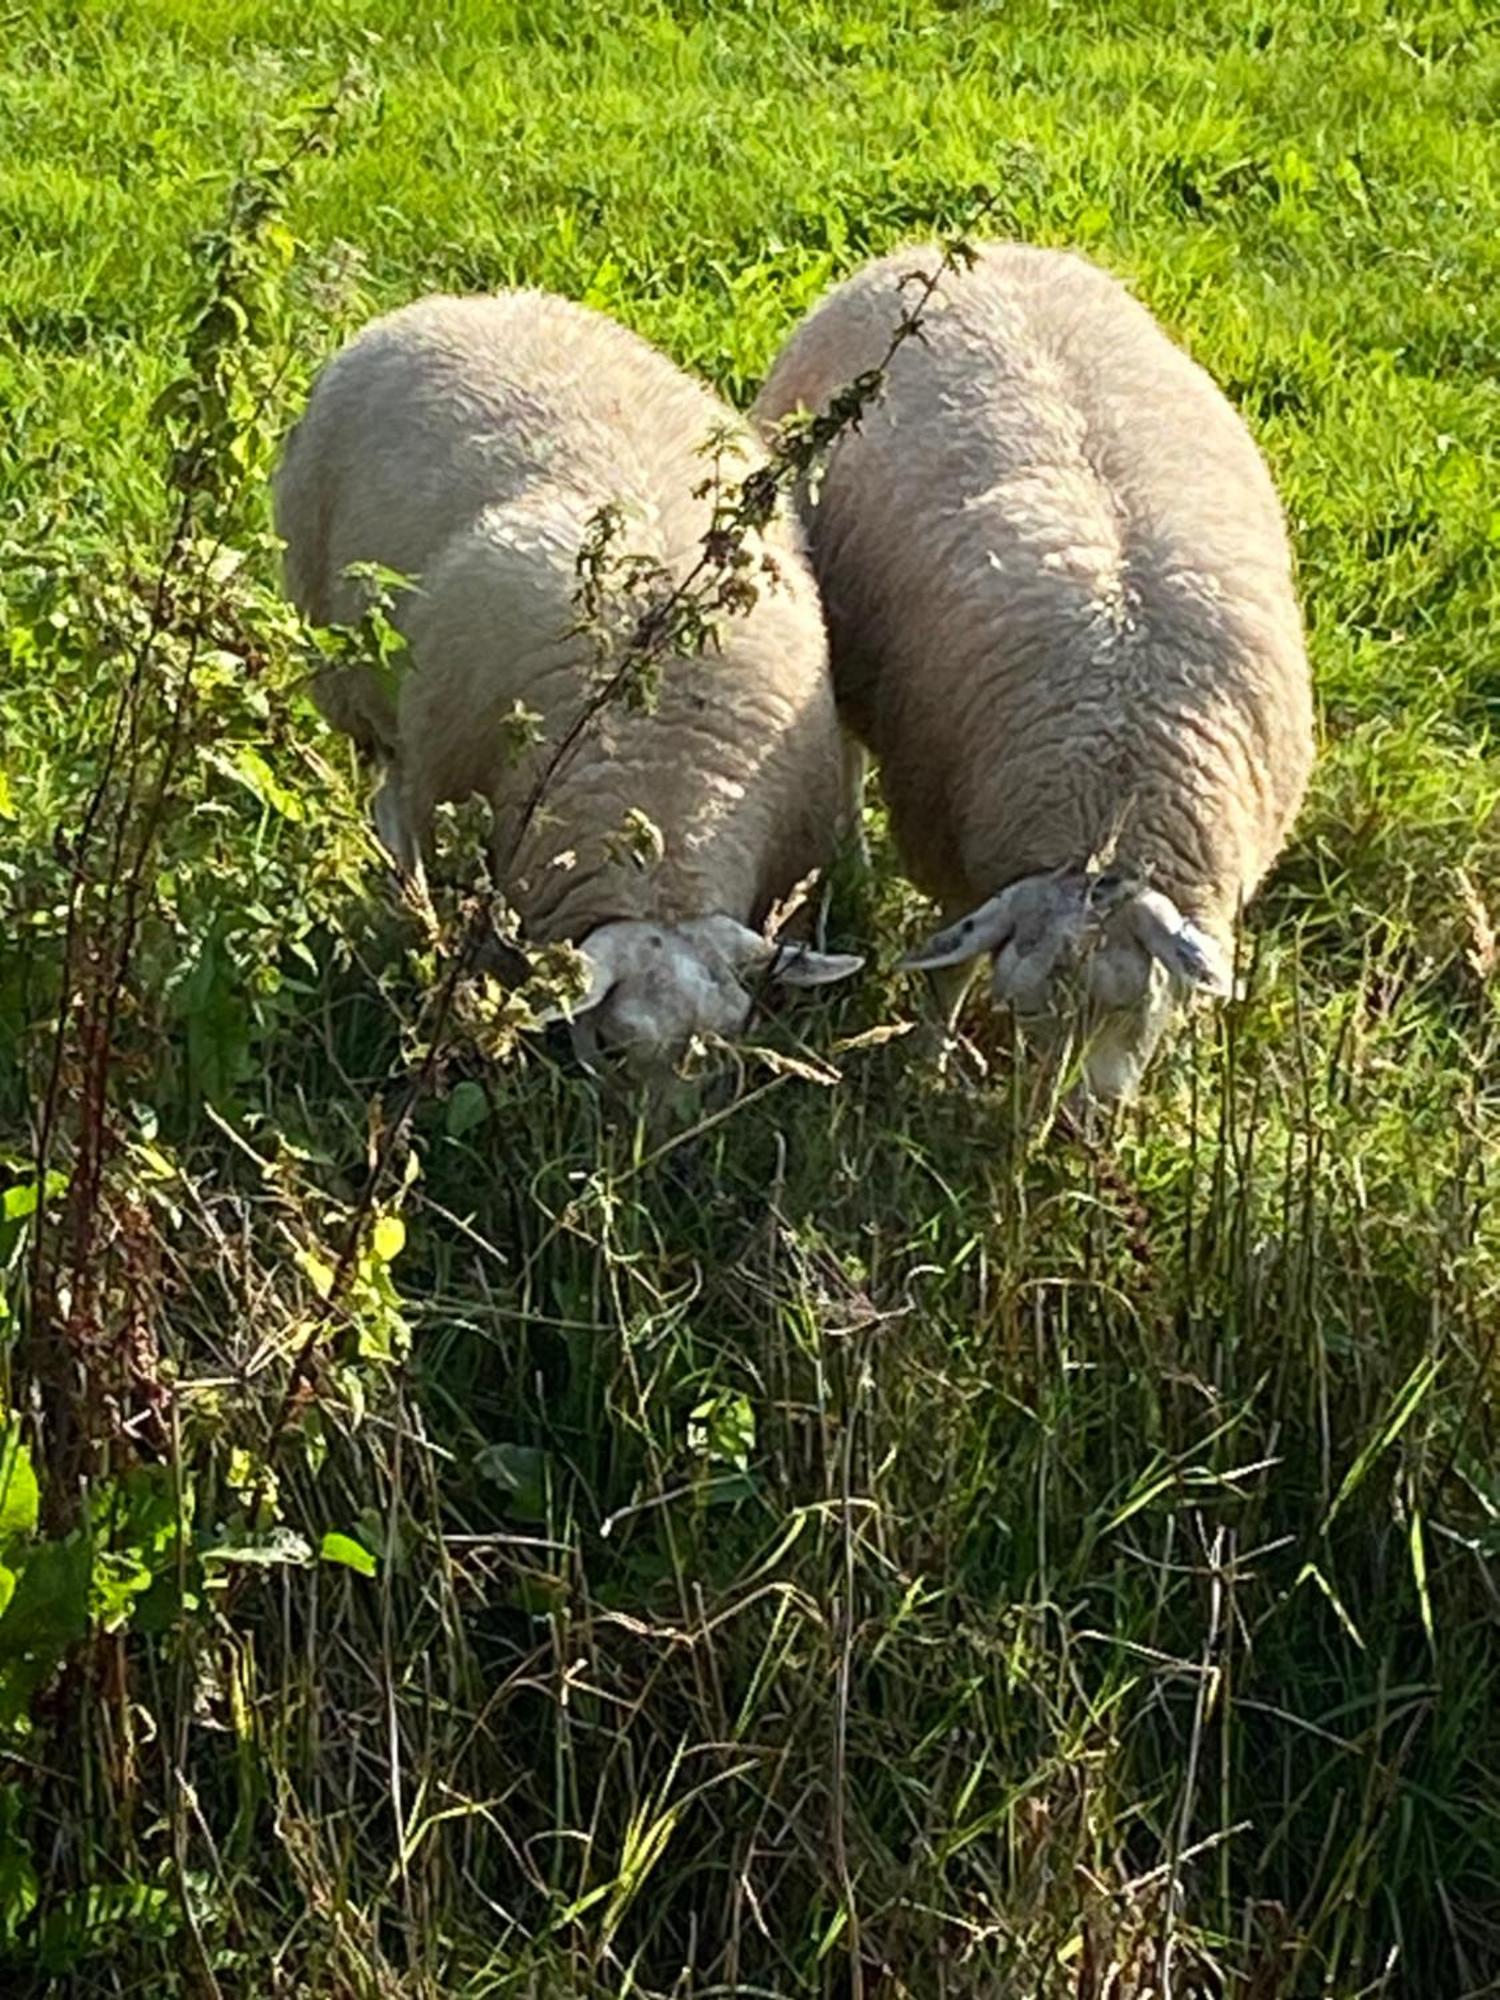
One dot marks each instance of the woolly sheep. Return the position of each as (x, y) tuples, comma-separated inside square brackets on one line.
[(1060, 601), (467, 443)]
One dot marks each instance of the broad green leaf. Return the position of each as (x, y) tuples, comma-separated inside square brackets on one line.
[(256, 775), (467, 1107), (388, 1238), (18, 1488), (47, 1614), (725, 1489), (335, 1548), (136, 1519), (49, 1608), (318, 1273), (18, 1882), (21, 1200), (159, 1608)]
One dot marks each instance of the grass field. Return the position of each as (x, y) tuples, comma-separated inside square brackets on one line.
[(847, 1536)]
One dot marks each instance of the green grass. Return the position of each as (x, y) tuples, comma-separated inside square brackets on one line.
[(832, 1539)]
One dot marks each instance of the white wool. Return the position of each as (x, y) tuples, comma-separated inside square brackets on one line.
[(468, 443), (1062, 614)]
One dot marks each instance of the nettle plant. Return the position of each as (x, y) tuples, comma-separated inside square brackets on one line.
[(203, 1333), (177, 890)]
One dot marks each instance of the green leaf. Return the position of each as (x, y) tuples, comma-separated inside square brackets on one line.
[(48, 1613), (1311, 1572), (160, 1607), (344, 1549), (82, 1923), (282, 1546), (137, 1520), (522, 1470), (7, 804), (388, 1238), (19, 1497), (722, 1430), (319, 1274), (18, 1882), (50, 1605), (726, 1489), (21, 1200), (1409, 1398), (256, 775), (467, 1107)]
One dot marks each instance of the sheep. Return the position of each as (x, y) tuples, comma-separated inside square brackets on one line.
[(469, 443), (1060, 602)]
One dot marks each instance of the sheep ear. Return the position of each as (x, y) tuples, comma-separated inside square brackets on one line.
[(585, 1038), (394, 829), (601, 958), (799, 966), (1195, 962), (982, 930), (790, 965)]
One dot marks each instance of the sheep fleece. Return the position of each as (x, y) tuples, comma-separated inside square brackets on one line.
[(467, 443), (1058, 584)]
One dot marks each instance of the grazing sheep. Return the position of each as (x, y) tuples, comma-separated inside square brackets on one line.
[(468, 443), (1060, 601)]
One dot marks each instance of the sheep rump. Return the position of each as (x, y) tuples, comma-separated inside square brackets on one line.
[(1060, 600), (468, 443)]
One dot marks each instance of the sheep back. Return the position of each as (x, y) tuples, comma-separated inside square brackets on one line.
[(1057, 583), (468, 443)]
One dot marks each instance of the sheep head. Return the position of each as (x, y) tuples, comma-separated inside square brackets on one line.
[(653, 987), (1079, 949)]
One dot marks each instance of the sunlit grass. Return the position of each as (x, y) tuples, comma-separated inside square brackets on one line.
[(831, 1537)]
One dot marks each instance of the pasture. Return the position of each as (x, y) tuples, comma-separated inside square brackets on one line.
[(466, 1531)]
